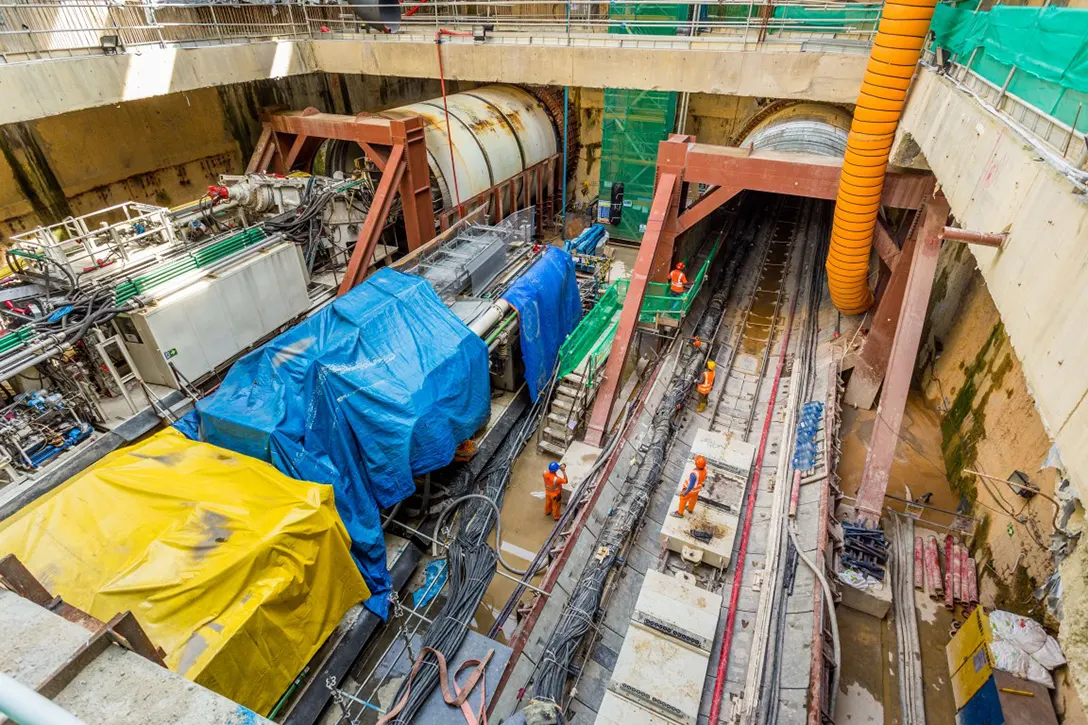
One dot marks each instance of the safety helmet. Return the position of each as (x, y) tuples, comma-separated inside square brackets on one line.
[(700, 462), (680, 266), (710, 365), (696, 342), (553, 466)]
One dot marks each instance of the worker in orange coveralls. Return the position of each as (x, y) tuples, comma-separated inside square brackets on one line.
[(689, 492), (677, 283), (553, 489), (705, 385)]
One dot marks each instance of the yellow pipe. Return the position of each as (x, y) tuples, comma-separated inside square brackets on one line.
[(896, 49)]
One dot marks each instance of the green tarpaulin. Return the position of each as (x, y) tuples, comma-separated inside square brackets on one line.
[(1048, 47)]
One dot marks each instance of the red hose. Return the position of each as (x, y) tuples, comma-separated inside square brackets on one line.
[(738, 572), (445, 107)]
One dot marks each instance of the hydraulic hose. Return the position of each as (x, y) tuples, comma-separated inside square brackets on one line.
[(896, 50)]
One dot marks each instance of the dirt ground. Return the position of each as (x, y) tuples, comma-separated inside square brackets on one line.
[(524, 529)]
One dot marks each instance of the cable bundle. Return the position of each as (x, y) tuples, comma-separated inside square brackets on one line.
[(628, 509), (471, 560)]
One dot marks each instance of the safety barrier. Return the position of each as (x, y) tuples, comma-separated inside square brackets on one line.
[(660, 303), (592, 338), (41, 29)]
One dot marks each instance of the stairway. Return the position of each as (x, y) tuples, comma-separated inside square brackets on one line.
[(572, 398)]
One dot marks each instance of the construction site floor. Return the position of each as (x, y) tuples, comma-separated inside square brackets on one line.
[(869, 684)]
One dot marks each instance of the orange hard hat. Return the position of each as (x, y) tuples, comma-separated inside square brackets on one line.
[(696, 342), (679, 265), (700, 462)]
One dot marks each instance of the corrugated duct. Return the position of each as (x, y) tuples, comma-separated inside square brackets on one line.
[(896, 49)]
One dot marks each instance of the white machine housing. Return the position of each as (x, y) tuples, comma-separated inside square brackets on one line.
[(211, 320), (677, 609)]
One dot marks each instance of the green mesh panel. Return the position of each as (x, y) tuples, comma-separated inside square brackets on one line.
[(1047, 46), (592, 338), (634, 122), (658, 301)]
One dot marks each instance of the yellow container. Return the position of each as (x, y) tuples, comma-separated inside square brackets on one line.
[(974, 632), (972, 675)]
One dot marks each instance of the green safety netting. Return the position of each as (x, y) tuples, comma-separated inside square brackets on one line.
[(832, 17), (647, 18), (1048, 47), (658, 301), (592, 338), (634, 122)]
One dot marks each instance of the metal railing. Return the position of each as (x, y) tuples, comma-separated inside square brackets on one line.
[(1065, 145), (43, 29)]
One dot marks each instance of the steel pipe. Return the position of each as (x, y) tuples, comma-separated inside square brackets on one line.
[(986, 239), (25, 706), (490, 317)]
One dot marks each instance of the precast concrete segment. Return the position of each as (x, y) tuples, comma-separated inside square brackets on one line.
[(894, 56)]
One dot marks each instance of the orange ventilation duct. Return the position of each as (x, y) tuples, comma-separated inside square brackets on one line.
[(896, 49)]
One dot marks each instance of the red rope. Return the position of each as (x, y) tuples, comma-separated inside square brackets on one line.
[(445, 107)]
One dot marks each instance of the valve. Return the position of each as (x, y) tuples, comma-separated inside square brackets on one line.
[(218, 194)]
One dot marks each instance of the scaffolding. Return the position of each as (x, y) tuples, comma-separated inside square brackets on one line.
[(634, 122)]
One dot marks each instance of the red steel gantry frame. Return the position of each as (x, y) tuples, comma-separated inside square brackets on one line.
[(727, 171), (397, 147)]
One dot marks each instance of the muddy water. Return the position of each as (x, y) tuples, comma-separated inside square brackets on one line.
[(761, 317), (918, 467), (524, 529)]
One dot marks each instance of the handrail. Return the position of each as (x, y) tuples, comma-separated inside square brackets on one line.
[(39, 29)]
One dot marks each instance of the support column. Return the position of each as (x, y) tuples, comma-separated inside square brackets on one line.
[(875, 352), (393, 175), (904, 351), (415, 185), (662, 215), (672, 158)]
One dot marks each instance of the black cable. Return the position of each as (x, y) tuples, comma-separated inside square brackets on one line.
[(471, 560), (579, 615)]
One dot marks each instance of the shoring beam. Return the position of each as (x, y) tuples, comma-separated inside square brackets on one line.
[(904, 352), (289, 140), (876, 350), (885, 245), (375, 220), (791, 173), (663, 212), (704, 206)]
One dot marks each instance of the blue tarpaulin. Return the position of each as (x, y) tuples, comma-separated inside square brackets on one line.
[(549, 308), (379, 386)]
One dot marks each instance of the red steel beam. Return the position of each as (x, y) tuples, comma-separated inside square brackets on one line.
[(704, 206), (904, 351), (876, 350), (375, 220), (415, 182), (309, 122), (661, 209), (885, 245), (792, 173)]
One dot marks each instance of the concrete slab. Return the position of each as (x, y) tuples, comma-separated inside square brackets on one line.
[(38, 642), (578, 459), (678, 609), (638, 675), (622, 603)]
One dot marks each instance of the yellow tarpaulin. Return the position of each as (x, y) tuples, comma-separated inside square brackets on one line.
[(236, 570)]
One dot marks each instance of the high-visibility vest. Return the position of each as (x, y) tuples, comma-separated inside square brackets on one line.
[(552, 483), (700, 477), (677, 280), (706, 382)]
